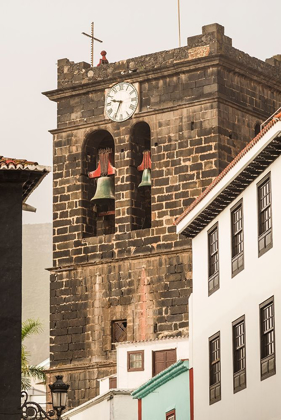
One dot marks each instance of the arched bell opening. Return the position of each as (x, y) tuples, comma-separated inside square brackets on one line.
[(141, 176), (99, 184)]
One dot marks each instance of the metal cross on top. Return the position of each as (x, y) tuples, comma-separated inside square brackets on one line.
[(92, 42)]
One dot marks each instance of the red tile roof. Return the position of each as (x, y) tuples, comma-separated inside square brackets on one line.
[(243, 152), (10, 163), (34, 173)]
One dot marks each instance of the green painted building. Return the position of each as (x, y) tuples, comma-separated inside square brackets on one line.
[(167, 395)]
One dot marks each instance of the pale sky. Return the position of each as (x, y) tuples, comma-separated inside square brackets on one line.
[(36, 33)]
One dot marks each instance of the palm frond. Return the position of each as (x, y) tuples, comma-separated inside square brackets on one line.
[(36, 372), (25, 383), (30, 326)]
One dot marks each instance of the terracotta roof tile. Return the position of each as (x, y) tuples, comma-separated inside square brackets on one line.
[(243, 152), (34, 173), (11, 163), (152, 340)]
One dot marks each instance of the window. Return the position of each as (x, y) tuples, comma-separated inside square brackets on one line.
[(237, 262), (257, 129), (171, 415), (213, 246), (264, 216), (215, 368), (239, 354), (267, 339), (163, 359), (135, 360), (119, 331)]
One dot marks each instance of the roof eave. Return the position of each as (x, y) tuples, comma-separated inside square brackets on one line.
[(166, 375), (237, 169)]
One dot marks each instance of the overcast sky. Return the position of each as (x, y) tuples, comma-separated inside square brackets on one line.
[(36, 33)]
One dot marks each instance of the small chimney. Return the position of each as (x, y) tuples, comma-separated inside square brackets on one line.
[(103, 59)]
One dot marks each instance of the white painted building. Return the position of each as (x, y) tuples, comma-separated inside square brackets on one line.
[(137, 362), (151, 357), (235, 307), (37, 392), (113, 405)]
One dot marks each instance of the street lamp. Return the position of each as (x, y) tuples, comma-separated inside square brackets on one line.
[(31, 410), (59, 394)]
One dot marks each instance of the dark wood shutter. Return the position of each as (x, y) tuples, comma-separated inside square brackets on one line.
[(113, 382), (119, 331), (163, 359)]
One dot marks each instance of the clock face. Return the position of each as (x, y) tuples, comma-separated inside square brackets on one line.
[(121, 101)]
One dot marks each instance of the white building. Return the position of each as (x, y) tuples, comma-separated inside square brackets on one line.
[(235, 307), (137, 362), (37, 392)]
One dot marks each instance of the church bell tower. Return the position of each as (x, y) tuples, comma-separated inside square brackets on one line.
[(136, 142)]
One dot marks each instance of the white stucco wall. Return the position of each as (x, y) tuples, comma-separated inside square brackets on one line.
[(104, 384), (111, 406), (241, 295), (133, 380)]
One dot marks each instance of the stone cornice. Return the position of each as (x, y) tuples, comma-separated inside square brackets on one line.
[(73, 267), (153, 111), (80, 367)]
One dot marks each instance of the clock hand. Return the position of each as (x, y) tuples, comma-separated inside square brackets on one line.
[(118, 108)]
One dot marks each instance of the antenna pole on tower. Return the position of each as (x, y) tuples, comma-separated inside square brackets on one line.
[(179, 23), (92, 44)]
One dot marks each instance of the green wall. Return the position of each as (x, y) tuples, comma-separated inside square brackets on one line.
[(174, 394)]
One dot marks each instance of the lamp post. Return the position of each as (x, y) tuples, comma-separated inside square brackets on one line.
[(59, 394), (32, 410)]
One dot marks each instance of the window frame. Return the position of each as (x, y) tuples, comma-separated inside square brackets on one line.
[(262, 236), (171, 413), (265, 360), (114, 321), (213, 386), (239, 374), (214, 276), (239, 258), (129, 369)]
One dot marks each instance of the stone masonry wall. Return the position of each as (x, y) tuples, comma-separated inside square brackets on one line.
[(202, 103)]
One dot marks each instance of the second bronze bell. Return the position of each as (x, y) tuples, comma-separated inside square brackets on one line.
[(146, 178), (105, 189)]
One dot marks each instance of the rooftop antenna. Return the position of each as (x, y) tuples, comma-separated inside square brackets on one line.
[(92, 42), (179, 23)]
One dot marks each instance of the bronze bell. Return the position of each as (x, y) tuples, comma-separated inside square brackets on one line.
[(105, 189), (146, 178)]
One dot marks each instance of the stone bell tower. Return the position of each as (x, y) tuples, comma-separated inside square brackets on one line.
[(170, 121)]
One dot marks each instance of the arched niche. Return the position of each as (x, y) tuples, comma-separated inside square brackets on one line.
[(99, 217), (140, 141)]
